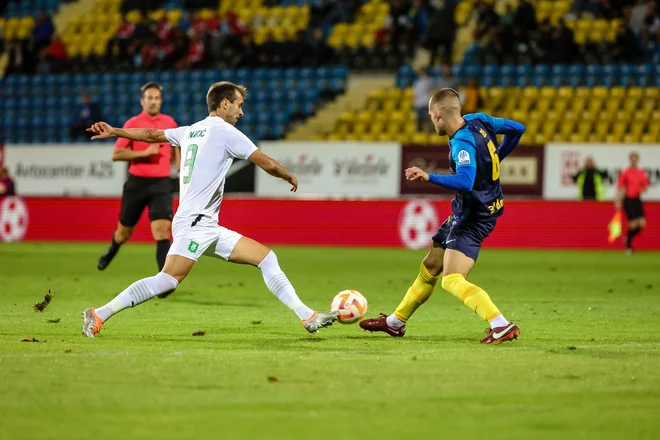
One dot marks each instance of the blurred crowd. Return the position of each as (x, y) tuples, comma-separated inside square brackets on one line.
[(513, 36), (517, 37)]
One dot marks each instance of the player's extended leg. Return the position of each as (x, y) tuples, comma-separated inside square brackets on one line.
[(418, 293), (457, 266), (176, 269), (248, 251)]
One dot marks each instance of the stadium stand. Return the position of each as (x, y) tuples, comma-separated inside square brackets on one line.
[(552, 60)]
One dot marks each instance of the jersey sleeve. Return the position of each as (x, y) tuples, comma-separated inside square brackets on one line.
[(463, 150), (621, 182), (123, 142), (240, 146), (175, 135), (499, 125)]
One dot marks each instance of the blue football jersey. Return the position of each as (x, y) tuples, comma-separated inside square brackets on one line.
[(475, 145)]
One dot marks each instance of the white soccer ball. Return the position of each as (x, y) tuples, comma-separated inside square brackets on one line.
[(352, 306)]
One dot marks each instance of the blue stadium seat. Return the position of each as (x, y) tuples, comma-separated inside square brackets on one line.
[(490, 70)]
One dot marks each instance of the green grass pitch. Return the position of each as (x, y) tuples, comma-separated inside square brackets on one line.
[(587, 364)]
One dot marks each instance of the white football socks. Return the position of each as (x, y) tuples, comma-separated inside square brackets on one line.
[(138, 292), (394, 322), (279, 284), (498, 321)]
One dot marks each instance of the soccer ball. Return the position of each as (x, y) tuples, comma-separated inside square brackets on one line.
[(351, 304)]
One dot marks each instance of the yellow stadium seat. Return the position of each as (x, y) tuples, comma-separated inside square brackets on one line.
[(652, 93), (632, 138), (133, 16), (580, 37), (613, 139), (654, 129), (650, 105), (600, 92), (578, 104), (174, 16), (561, 105), (336, 137), (584, 129), (595, 138), (565, 92), (596, 104), (578, 138), (619, 129), (602, 128), (635, 92), (618, 92), (650, 139), (612, 105), (582, 92), (630, 105), (637, 129)]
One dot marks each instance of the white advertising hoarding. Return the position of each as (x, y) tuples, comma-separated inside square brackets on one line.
[(65, 169), (563, 161), (331, 169)]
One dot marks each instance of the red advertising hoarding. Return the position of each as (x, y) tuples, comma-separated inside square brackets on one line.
[(383, 223)]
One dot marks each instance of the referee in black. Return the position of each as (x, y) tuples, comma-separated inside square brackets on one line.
[(148, 183)]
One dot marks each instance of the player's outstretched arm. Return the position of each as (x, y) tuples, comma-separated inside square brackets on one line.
[(463, 180), (274, 168), (103, 130)]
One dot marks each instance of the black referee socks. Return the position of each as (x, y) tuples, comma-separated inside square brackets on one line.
[(162, 247)]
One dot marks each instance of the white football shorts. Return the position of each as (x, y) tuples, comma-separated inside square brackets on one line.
[(201, 235)]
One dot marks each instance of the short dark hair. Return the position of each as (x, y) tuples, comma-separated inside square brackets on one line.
[(633, 153), (150, 85), (223, 90)]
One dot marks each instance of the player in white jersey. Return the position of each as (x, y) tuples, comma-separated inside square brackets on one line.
[(208, 149)]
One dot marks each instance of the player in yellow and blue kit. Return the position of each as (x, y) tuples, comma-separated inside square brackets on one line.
[(475, 162)]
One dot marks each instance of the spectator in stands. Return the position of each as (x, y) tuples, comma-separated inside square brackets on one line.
[(423, 88), (56, 55), (317, 51), (19, 60), (247, 53), (195, 56), (269, 53), (471, 100), (419, 16), (589, 181), (651, 28), (442, 32), (562, 47), (164, 29), (637, 16), (626, 47), (7, 186), (148, 56), (42, 32), (397, 22), (88, 113), (487, 19), (118, 44), (447, 80), (524, 20)]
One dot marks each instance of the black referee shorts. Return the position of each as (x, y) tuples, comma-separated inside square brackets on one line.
[(633, 208), (140, 192)]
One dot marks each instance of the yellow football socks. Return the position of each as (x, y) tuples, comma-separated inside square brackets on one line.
[(417, 294), (472, 296)]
